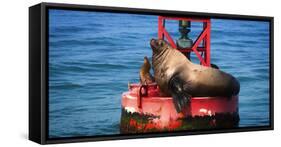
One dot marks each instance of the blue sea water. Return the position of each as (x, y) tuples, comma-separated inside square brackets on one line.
[(93, 56)]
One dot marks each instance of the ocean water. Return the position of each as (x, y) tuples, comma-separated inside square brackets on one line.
[(93, 56)]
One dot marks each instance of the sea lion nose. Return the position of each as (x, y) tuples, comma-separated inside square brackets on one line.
[(152, 41)]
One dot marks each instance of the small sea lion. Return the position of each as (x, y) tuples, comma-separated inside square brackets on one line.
[(177, 76), (145, 76)]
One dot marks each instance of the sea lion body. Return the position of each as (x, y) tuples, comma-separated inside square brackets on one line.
[(178, 77), (145, 76)]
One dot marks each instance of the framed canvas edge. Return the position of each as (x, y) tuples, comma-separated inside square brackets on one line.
[(44, 75)]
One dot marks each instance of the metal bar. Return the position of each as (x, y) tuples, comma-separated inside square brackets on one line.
[(160, 27), (186, 19), (195, 45), (208, 43), (204, 43), (204, 27), (199, 49), (171, 41)]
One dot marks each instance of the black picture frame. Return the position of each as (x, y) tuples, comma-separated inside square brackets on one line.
[(38, 71)]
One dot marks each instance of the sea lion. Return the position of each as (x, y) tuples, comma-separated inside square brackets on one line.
[(145, 76), (182, 79)]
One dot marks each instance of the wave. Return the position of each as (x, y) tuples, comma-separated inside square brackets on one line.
[(65, 86), (229, 44), (66, 29), (223, 33), (261, 70), (246, 78), (96, 42), (89, 65), (78, 42)]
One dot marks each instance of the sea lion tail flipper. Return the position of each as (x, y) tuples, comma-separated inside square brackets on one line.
[(180, 97)]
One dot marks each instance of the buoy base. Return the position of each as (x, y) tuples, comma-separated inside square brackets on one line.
[(145, 123), (145, 110)]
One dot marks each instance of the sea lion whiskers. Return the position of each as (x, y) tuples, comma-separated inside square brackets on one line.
[(163, 54)]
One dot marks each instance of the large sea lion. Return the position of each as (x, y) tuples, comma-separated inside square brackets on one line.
[(145, 76), (182, 79)]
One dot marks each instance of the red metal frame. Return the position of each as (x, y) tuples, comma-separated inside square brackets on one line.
[(203, 37)]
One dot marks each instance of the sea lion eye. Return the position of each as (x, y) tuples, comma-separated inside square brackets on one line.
[(161, 43)]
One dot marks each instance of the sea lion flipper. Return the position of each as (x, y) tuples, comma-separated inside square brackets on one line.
[(144, 74), (180, 97), (180, 100)]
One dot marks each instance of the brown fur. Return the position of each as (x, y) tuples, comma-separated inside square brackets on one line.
[(178, 77), (145, 76)]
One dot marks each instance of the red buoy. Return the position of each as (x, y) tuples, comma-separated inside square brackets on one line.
[(144, 110)]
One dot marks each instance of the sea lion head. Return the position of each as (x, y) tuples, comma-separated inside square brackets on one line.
[(158, 45)]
